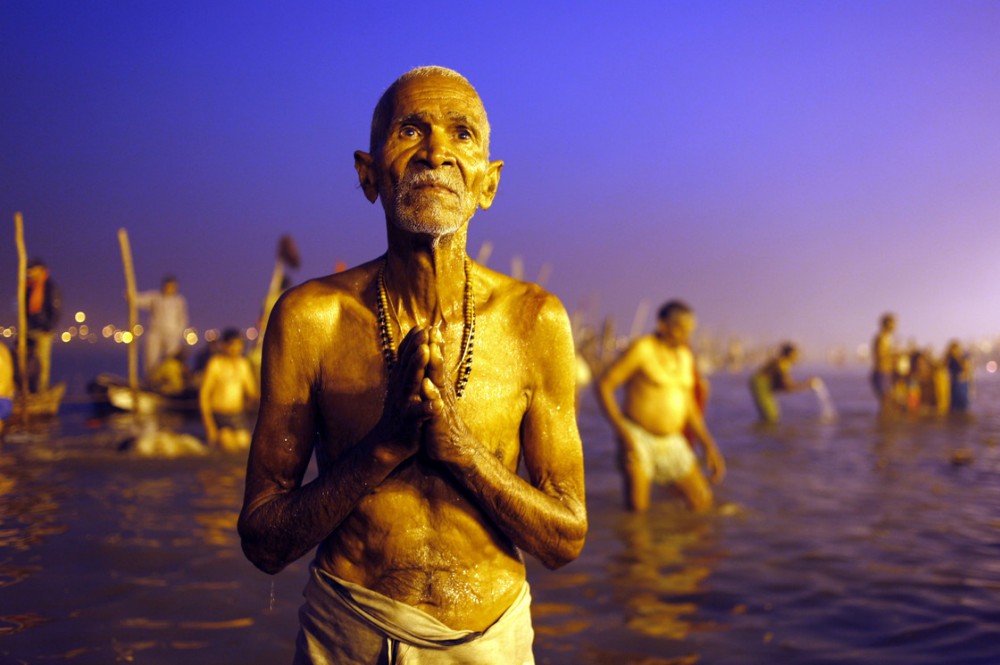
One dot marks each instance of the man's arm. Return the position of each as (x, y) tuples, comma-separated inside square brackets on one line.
[(205, 403), (144, 299), (713, 458), (282, 519), (547, 516), (617, 373), (250, 389)]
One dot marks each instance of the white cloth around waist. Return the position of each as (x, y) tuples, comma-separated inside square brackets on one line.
[(664, 458), (347, 624)]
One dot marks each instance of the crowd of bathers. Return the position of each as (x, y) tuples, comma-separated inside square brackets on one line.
[(916, 382)]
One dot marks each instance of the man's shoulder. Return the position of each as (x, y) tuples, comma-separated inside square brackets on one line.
[(530, 302), (643, 345), (329, 294)]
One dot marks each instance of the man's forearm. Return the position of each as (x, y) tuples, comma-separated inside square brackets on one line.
[(548, 522), (280, 527)]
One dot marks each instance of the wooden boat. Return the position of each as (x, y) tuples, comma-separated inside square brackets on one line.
[(44, 403), (115, 392)]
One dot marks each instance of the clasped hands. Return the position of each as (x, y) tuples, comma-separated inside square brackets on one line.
[(421, 404)]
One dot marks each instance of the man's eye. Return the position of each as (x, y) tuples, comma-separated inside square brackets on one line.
[(408, 131), (464, 135)]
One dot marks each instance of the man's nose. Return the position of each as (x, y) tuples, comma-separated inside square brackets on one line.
[(436, 150)]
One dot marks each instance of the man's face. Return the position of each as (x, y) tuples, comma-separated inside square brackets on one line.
[(432, 170), (678, 327), (233, 348)]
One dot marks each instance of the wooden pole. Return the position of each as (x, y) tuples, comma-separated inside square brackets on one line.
[(639, 320), (485, 250), (22, 303), (133, 312)]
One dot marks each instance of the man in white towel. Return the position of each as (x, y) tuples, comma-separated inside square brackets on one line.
[(421, 381), (658, 374)]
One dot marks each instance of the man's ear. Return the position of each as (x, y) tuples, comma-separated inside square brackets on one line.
[(490, 183), (364, 164)]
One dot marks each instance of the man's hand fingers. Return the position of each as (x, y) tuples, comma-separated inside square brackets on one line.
[(435, 366)]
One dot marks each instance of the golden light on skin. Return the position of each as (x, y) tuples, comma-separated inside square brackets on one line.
[(80, 317)]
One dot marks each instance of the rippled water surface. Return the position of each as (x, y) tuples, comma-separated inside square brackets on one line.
[(848, 541)]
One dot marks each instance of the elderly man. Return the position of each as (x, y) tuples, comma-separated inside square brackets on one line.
[(658, 374), (422, 380)]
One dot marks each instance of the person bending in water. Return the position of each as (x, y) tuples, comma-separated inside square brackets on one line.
[(658, 374), (228, 385), (422, 381), (774, 377)]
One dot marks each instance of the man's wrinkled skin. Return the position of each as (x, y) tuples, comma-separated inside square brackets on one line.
[(418, 495)]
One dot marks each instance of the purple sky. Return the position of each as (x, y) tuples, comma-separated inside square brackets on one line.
[(791, 169)]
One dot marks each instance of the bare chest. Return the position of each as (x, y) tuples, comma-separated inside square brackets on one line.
[(351, 395)]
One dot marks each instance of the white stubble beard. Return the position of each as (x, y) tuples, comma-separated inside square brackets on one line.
[(429, 215)]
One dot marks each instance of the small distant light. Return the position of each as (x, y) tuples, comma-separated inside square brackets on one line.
[(138, 330), (127, 337), (108, 331), (251, 334), (211, 335), (72, 331), (191, 337), (66, 337), (7, 332), (991, 367), (80, 317), (84, 330)]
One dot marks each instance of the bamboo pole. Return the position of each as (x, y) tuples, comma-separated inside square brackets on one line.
[(485, 250), (133, 312), (639, 320), (22, 304)]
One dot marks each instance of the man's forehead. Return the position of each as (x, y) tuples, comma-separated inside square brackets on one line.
[(437, 95)]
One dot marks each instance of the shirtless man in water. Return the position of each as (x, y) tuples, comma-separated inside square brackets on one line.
[(884, 363), (421, 380), (658, 374), (228, 384)]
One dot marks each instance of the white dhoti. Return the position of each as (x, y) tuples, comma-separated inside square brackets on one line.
[(664, 459), (346, 624)]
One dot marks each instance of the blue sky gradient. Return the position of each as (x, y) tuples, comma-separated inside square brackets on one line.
[(792, 169)]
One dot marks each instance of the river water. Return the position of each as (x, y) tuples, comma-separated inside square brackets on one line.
[(851, 541)]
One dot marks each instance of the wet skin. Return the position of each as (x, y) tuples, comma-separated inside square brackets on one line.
[(418, 495)]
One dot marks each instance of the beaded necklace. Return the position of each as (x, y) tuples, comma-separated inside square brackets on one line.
[(389, 351)]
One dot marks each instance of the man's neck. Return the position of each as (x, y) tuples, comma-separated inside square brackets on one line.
[(667, 341), (425, 278)]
